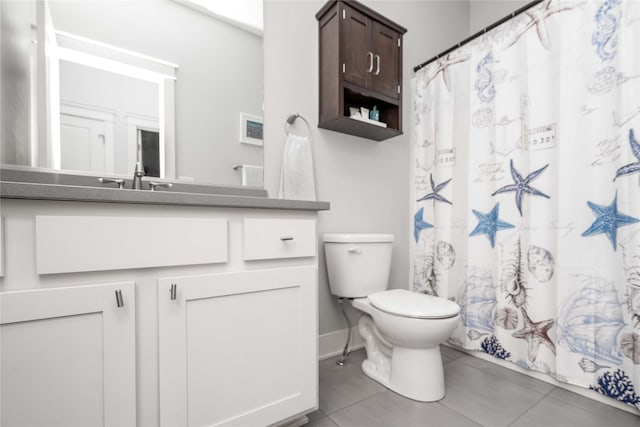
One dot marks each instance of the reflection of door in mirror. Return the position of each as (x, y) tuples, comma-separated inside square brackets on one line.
[(86, 140), (126, 103)]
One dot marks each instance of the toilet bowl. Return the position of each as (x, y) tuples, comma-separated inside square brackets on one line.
[(402, 330)]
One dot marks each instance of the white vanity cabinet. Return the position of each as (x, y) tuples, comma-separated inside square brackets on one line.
[(118, 314), (68, 356), (237, 348)]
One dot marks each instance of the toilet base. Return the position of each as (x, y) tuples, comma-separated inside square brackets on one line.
[(414, 373)]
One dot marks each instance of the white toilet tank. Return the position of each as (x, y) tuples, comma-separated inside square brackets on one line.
[(358, 264)]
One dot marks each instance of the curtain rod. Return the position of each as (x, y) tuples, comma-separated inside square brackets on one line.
[(479, 33)]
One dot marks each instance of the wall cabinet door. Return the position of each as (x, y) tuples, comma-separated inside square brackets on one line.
[(371, 53), (356, 47), (387, 61), (67, 356), (238, 348)]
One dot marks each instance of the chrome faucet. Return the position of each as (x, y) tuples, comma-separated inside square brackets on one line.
[(138, 173)]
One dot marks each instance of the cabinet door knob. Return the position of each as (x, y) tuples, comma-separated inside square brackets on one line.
[(370, 55), (377, 65), (173, 292), (119, 299)]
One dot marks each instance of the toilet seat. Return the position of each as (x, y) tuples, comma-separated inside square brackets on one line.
[(404, 303)]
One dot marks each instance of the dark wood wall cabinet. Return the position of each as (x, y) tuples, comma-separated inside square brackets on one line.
[(360, 68)]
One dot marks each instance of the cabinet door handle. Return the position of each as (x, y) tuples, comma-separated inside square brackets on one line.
[(370, 55), (173, 291), (286, 238), (119, 299), (377, 65)]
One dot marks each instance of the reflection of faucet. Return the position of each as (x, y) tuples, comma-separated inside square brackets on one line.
[(138, 173)]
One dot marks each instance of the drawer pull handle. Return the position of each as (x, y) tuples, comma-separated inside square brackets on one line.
[(119, 299), (286, 238), (356, 251), (173, 291)]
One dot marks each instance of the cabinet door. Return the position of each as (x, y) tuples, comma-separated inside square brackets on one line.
[(357, 54), (387, 61), (68, 357), (238, 348)]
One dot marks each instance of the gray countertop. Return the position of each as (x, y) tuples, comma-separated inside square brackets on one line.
[(60, 188)]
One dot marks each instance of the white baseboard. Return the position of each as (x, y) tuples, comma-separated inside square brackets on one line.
[(331, 344), (542, 377)]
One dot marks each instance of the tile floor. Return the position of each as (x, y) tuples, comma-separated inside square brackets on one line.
[(479, 393)]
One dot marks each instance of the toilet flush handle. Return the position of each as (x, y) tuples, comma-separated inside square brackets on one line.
[(355, 251)]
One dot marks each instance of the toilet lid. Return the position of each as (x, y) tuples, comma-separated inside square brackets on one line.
[(401, 302)]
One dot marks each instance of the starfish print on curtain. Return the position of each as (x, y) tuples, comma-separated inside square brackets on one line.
[(443, 65), (608, 220), (490, 224), (521, 185), (419, 224), (435, 189), (535, 333), (538, 18)]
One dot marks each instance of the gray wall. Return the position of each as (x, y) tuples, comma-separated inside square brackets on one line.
[(366, 182), (484, 12)]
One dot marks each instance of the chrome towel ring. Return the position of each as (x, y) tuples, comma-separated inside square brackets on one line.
[(291, 119)]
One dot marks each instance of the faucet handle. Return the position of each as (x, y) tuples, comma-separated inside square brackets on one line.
[(153, 185), (118, 181)]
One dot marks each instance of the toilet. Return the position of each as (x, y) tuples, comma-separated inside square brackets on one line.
[(402, 330)]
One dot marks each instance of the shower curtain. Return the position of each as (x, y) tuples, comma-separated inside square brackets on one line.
[(526, 184)]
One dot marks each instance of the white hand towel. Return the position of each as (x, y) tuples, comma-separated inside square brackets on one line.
[(297, 180), (252, 176)]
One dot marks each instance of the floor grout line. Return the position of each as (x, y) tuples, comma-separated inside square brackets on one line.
[(501, 370), (353, 403), (536, 403), (459, 413)]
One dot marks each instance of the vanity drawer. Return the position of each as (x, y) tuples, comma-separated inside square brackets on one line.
[(267, 238), (71, 244)]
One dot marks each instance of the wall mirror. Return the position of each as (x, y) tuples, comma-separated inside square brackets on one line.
[(94, 86)]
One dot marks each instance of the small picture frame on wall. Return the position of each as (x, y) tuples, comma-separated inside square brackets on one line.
[(250, 129)]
